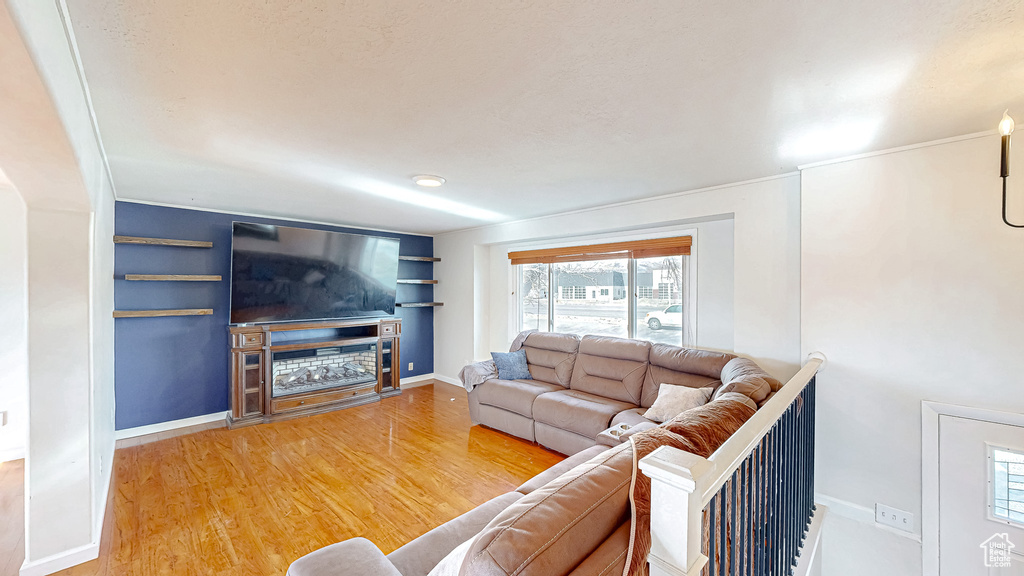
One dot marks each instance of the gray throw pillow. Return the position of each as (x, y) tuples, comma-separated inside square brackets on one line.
[(512, 365)]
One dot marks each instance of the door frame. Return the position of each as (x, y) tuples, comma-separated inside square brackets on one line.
[(930, 412)]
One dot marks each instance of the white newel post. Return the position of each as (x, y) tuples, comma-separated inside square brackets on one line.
[(675, 543)]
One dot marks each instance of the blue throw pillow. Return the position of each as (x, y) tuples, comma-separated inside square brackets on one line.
[(512, 365)]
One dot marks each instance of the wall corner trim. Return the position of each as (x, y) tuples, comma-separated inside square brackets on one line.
[(928, 144), (62, 560)]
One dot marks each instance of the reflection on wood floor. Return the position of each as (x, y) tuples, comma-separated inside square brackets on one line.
[(252, 500)]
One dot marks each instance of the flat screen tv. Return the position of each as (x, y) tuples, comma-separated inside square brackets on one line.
[(282, 274)]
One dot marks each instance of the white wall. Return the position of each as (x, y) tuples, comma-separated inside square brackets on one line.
[(102, 352), (14, 312), (911, 284), (759, 317), (52, 156), (58, 487)]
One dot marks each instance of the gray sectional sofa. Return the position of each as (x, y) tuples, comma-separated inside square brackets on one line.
[(574, 518), (581, 387)]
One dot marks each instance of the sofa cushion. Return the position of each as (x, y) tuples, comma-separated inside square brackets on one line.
[(551, 356), (559, 469), (418, 557), (754, 387), (610, 557), (674, 400), (562, 441), (576, 411), (738, 367), (682, 367), (358, 556), (611, 367), (554, 528), (513, 395)]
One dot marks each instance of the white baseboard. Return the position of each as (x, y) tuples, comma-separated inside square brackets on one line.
[(447, 380), (12, 454), (861, 514), (61, 561), (414, 381), (425, 379), (172, 425)]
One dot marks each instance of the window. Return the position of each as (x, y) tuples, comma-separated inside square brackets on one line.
[(664, 291), (533, 302), (661, 319), (590, 290), (573, 292), (577, 314), (1007, 485)]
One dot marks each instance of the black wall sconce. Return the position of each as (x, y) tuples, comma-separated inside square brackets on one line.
[(1006, 128)]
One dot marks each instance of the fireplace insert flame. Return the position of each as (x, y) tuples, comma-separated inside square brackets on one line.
[(299, 371)]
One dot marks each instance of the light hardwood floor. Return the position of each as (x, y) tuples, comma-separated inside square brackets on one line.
[(12, 517), (252, 500)]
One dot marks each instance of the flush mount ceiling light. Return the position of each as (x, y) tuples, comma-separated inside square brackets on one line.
[(428, 180)]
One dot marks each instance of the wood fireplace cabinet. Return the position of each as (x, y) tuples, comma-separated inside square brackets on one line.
[(281, 371)]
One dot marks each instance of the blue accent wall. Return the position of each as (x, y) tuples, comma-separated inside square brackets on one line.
[(178, 367)]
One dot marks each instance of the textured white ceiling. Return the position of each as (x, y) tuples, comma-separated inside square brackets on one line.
[(324, 109)]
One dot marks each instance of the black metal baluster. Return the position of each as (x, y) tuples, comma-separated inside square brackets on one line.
[(770, 509), (759, 555), (711, 536), (744, 517), (776, 512), (786, 487), (794, 540), (722, 546), (732, 524)]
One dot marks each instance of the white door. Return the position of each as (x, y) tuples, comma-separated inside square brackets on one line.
[(981, 489)]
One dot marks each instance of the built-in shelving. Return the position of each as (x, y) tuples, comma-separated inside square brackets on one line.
[(174, 277), (162, 313), (429, 259), (162, 242), (419, 258)]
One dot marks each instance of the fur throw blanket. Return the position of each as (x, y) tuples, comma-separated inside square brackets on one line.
[(698, 431)]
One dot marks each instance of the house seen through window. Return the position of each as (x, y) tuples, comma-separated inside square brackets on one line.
[(591, 293)]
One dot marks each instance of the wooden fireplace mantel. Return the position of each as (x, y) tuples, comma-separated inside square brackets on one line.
[(252, 348)]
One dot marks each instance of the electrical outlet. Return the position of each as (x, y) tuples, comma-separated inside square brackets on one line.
[(3, 418), (889, 516), (410, 366)]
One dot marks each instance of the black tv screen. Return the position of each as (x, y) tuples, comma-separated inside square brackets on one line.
[(280, 274)]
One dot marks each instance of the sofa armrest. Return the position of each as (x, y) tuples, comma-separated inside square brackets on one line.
[(477, 373), (355, 556)]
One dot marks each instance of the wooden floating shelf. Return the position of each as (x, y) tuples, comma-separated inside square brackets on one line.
[(162, 313), (417, 281), (418, 304), (174, 277), (162, 242), (419, 258)]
